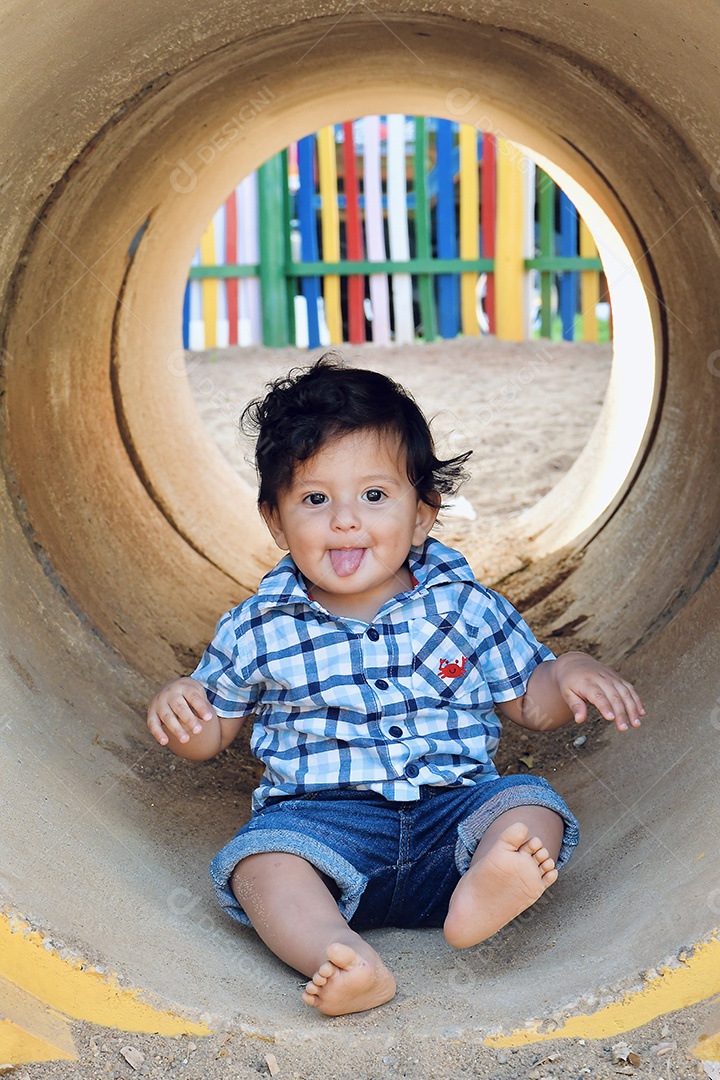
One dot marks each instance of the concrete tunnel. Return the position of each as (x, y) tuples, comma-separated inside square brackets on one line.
[(125, 534)]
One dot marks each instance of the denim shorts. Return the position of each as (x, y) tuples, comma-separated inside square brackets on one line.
[(394, 863)]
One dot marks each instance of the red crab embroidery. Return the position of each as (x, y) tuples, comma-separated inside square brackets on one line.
[(452, 670)]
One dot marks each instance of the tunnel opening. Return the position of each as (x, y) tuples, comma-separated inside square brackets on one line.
[(145, 370), (150, 559), (224, 304)]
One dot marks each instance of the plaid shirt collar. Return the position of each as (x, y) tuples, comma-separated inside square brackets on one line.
[(432, 564)]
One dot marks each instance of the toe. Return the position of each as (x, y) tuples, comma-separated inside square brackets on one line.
[(533, 845), (550, 877), (547, 864), (326, 970), (341, 955), (515, 835)]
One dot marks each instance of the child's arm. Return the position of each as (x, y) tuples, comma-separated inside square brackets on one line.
[(181, 718), (560, 690)]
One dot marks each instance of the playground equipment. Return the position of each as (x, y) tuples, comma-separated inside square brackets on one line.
[(125, 533), (427, 186)]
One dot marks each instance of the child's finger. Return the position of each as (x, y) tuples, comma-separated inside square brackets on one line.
[(181, 708), (632, 704), (173, 725), (190, 706), (607, 707), (578, 706), (156, 729), (625, 704), (176, 718), (200, 704), (640, 708), (612, 704)]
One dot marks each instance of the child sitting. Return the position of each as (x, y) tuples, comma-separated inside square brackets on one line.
[(373, 663)]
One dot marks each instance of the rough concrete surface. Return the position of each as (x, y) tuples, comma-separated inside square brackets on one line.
[(125, 532)]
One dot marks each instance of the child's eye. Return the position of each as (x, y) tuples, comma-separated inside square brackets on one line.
[(374, 495), (315, 498)]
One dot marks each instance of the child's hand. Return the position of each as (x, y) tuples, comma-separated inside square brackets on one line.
[(179, 709), (582, 681)]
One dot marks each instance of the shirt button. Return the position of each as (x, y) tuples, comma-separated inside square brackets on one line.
[(395, 731), (373, 634), (381, 684), (412, 770)]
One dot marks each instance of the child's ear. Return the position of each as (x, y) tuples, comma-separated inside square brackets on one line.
[(271, 517), (424, 520)]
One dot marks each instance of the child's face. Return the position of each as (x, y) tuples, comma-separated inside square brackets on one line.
[(349, 519)]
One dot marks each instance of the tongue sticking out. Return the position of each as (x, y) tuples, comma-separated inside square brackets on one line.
[(345, 561)]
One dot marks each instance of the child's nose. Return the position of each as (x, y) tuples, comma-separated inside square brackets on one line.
[(346, 517)]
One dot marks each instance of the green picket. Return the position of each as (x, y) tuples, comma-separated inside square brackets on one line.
[(272, 211), (423, 245)]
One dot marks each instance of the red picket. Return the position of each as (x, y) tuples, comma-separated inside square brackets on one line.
[(231, 284), (353, 236)]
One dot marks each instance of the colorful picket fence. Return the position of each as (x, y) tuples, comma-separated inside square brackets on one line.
[(392, 229)]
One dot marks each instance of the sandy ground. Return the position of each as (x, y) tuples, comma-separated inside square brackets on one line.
[(660, 1051), (526, 411)]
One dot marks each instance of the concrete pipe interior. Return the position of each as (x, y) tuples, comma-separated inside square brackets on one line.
[(125, 533)]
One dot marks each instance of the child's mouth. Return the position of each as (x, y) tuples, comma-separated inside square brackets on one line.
[(345, 561)]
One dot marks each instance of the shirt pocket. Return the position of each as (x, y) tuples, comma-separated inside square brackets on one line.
[(445, 664)]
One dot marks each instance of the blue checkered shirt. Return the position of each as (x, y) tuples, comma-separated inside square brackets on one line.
[(405, 701)]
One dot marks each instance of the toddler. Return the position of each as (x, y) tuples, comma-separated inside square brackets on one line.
[(374, 666)]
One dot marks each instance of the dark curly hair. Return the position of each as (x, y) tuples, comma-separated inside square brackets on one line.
[(310, 407)]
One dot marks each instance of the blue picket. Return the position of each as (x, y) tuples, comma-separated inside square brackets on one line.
[(568, 284), (448, 285), (308, 233), (186, 317)]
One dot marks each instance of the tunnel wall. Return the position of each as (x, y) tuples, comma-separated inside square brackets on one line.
[(125, 535)]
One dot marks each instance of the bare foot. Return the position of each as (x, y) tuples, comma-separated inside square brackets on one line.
[(348, 982), (514, 874)]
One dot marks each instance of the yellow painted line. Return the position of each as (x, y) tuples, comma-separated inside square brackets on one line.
[(708, 1048), (509, 249), (469, 226), (29, 1030), (330, 228), (697, 979), (20, 1047), (40, 991)]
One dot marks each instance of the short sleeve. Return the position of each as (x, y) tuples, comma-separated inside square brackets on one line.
[(510, 652), (224, 674)]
